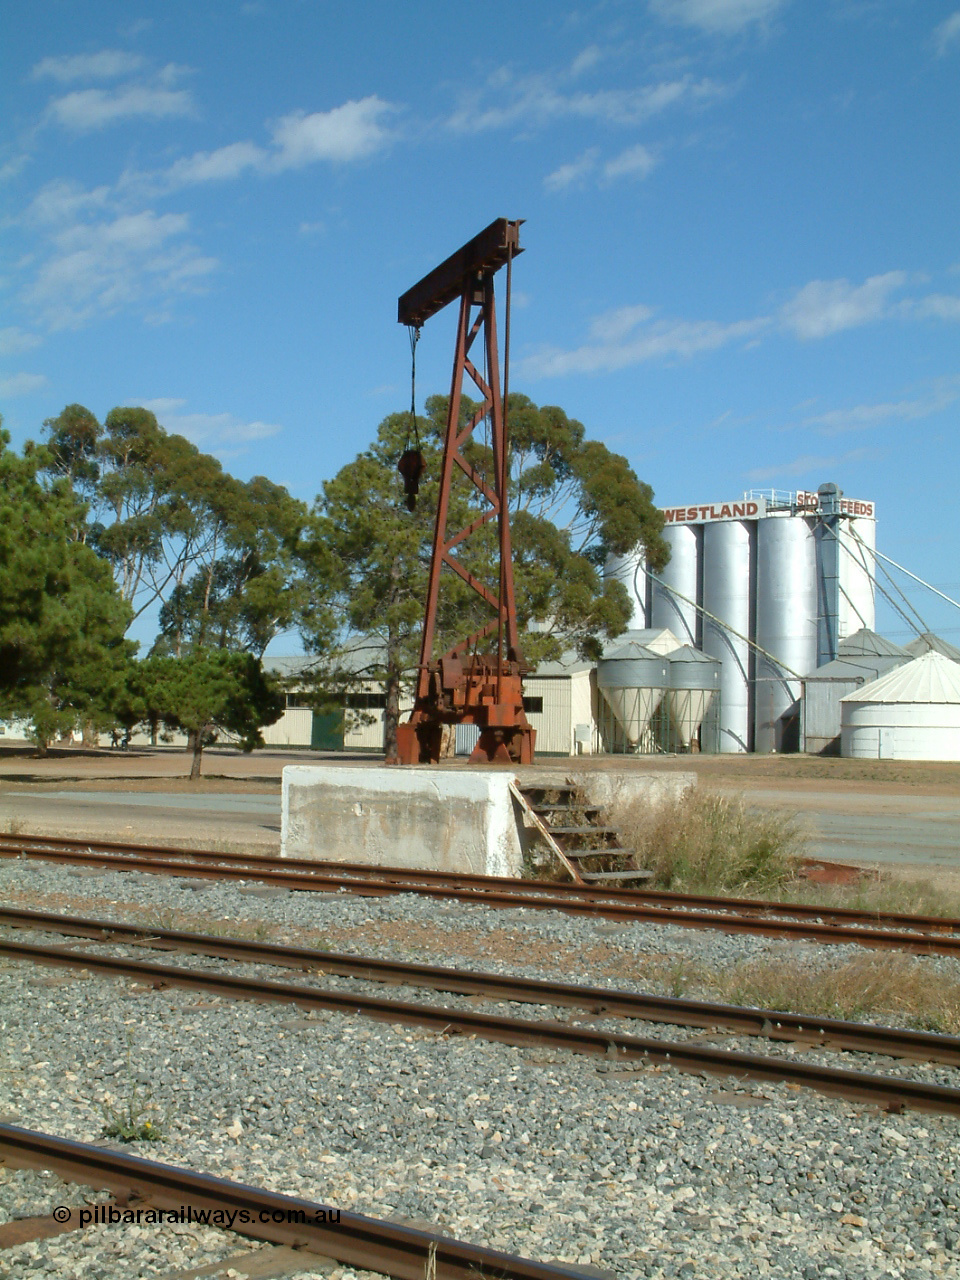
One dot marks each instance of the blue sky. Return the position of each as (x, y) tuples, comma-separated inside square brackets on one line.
[(742, 262)]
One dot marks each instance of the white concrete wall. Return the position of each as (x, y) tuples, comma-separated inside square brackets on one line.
[(461, 821)]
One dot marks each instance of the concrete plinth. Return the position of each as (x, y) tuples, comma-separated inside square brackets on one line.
[(459, 819), (463, 821)]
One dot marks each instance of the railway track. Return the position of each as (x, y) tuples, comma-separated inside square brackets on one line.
[(369, 1244), (888, 1091), (924, 935), (832, 1033)]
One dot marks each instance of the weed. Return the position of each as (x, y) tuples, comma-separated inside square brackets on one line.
[(892, 988), (711, 843), (134, 1117), (130, 1120)]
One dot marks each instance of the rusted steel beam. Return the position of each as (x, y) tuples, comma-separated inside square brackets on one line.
[(886, 1091), (486, 252), (925, 1046), (365, 1243)]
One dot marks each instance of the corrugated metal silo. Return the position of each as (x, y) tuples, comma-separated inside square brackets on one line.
[(694, 682), (727, 583), (631, 571), (911, 713), (682, 575), (786, 625), (858, 574), (632, 681)]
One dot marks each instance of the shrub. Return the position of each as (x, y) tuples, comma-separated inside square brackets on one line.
[(705, 842)]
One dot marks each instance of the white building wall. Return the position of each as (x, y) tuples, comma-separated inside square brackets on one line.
[(554, 724), (293, 729)]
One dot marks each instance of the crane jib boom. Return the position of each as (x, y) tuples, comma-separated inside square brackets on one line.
[(485, 253)]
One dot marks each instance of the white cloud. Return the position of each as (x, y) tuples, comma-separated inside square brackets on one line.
[(630, 336), (211, 431), (939, 306), (947, 34), (535, 101), (863, 416), (348, 132), (572, 174), (100, 268), (636, 162), (811, 465), (216, 166), (586, 60), (21, 384), (716, 16), (62, 201), (823, 307), (108, 64), (11, 168), (14, 341), (612, 326), (87, 109)]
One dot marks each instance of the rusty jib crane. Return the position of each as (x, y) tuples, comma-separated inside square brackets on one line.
[(464, 685)]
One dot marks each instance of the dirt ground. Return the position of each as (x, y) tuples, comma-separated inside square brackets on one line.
[(165, 768)]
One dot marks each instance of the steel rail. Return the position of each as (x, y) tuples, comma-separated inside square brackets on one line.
[(602, 904), (346, 872), (887, 1091), (366, 1243), (829, 1033)]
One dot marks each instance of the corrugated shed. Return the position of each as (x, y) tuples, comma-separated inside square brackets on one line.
[(931, 678)]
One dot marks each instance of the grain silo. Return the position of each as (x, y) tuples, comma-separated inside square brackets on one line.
[(786, 635), (694, 684), (769, 585), (729, 557), (631, 682), (675, 594), (911, 713)]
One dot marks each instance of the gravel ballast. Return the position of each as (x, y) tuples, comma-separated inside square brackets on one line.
[(634, 1169)]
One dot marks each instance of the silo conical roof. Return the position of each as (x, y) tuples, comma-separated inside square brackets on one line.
[(929, 678), (865, 643), (928, 641)]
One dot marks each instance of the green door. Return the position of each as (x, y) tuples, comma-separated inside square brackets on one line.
[(326, 732)]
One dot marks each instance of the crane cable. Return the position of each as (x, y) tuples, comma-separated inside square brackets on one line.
[(412, 465)]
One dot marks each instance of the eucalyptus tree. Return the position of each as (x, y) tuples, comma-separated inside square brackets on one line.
[(572, 502)]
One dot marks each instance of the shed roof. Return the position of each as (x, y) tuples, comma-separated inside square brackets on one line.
[(862, 668), (929, 678)]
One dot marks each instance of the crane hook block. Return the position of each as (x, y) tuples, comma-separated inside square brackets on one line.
[(411, 466)]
